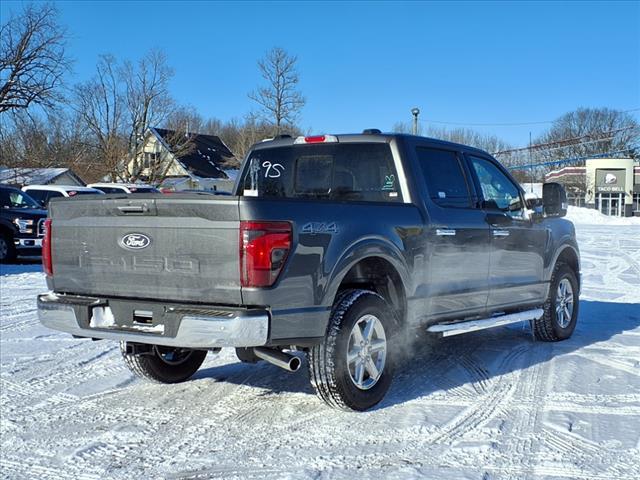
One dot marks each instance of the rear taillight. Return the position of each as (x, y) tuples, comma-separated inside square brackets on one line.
[(264, 247), (47, 264)]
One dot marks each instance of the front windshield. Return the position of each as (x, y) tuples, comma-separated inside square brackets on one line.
[(10, 198)]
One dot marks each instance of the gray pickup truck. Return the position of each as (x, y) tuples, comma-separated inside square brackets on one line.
[(340, 246)]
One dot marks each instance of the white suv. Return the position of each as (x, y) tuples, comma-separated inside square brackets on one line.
[(44, 193), (124, 188)]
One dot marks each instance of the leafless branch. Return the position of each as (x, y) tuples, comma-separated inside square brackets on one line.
[(279, 100), (32, 58)]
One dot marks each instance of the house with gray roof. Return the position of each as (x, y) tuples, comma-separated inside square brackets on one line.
[(23, 176)]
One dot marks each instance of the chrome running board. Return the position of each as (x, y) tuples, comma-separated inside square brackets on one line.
[(449, 329)]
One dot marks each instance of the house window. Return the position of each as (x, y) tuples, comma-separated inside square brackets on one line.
[(149, 159), (636, 202)]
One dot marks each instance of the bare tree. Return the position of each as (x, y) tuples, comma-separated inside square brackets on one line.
[(280, 101), (32, 58), (405, 127), (55, 138), (188, 120), (586, 132), (466, 136), (100, 104), (148, 103)]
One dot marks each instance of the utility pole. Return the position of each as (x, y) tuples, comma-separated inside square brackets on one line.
[(415, 111), (530, 165)]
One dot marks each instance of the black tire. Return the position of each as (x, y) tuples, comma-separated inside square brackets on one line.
[(7, 248), (548, 328), (328, 369), (156, 366)]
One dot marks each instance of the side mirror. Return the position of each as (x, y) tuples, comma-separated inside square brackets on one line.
[(554, 200)]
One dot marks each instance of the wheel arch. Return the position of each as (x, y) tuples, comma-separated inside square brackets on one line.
[(6, 227), (374, 266), (567, 254)]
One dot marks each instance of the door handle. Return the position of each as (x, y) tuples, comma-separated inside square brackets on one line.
[(445, 232), (500, 233)]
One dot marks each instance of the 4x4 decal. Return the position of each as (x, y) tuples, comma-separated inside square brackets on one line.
[(319, 227)]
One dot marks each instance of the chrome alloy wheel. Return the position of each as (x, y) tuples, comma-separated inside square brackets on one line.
[(564, 303), (366, 352)]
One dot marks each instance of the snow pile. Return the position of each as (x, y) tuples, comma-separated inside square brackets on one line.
[(589, 216), (492, 404)]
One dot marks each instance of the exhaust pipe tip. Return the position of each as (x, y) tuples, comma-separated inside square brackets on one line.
[(294, 364), (289, 362)]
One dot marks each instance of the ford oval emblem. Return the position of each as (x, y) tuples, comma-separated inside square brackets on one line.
[(135, 241)]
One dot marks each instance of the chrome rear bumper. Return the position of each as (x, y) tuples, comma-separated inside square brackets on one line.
[(197, 327)]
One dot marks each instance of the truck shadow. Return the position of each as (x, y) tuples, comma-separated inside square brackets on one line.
[(474, 362)]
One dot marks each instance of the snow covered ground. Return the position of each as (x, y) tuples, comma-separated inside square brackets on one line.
[(488, 405)]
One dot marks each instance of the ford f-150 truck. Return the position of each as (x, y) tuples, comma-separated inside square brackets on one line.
[(339, 246), (21, 224)]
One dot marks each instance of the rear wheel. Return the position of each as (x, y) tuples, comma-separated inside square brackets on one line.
[(561, 308), (163, 364), (352, 368), (7, 248)]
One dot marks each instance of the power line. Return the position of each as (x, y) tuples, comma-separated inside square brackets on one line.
[(507, 124), (550, 149), (565, 140), (571, 160)]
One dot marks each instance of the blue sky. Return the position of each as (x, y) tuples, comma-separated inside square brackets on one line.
[(365, 64)]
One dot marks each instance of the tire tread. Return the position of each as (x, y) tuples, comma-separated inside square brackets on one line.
[(321, 366), (543, 327), (147, 366)]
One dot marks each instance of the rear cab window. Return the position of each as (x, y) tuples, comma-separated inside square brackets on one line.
[(338, 171), (75, 193), (110, 189), (38, 195)]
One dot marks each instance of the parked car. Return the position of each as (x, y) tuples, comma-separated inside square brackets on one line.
[(21, 224), (338, 246), (44, 193), (124, 188)]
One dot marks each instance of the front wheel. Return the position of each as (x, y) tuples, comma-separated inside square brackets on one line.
[(352, 368), (561, 308), (7, 248), (163, 364)]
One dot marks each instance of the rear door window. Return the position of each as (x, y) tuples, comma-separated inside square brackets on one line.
[(352, 171), (444, 176)]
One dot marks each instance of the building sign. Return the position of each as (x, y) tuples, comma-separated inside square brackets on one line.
[(610, 180)]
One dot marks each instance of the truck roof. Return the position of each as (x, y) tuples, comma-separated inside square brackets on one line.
[(366, 136)]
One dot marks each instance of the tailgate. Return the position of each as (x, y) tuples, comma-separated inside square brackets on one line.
[(174, 248)]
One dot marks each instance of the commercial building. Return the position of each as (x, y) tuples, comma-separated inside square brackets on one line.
[(610, 185)]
